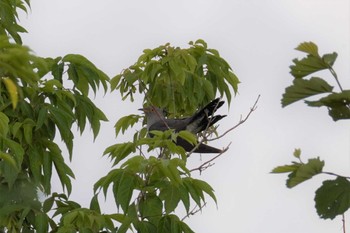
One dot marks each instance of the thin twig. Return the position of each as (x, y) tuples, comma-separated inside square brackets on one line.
[(241, 121), (194, 211), (207, 164)]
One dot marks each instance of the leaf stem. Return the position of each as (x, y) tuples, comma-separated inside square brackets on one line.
[(334, 174), (330, 68)]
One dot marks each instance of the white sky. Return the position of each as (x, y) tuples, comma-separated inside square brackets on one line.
[(257, 38)]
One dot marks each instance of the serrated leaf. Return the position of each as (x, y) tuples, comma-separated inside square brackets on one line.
[(297, 153), (123, 188), (85, 73), (205, 187), (308, 47), (63, 171), (150, 206), (337, 104), (286, 168), (171, 197), (4, 121), (120, 151), (333, 198), (169, 223), (330, 58), (125, 122), (303, 88), (307, 66), (304, 172), (185, 198), (192, 191)]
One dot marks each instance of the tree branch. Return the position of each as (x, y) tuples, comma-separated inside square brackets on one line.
[(208, 164), (241, 121), (194, 211)]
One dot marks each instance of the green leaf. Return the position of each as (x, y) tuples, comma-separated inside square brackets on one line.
[(48, 203), (184, 196), (286, 168), (4, 121), (12, 90), (150, 206), (178, 79), (330, 58), (9, 160), (94, 205), (63, 171), (47, 172), (28, 125), (305, 172), (169, 223), (307, 65), (170, 194), (185, 228), (41, 223), (120, 151), (333, 198), (125, 122), (15, 61), (297, 153), (84, 72), (63, 120), (337, 104), (195, 193), (123, 188), (188, 136), (16, 149), (204, 186), (308, 47), (303, 88)]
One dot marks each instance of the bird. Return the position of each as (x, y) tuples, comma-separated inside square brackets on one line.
[(198, 122)]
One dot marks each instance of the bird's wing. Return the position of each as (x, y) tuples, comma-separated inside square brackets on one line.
[(176, 124)]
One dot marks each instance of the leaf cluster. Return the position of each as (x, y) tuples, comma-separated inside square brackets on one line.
[(148, 191), (177, 79), (40, 99), (332, 198), (150, 179), (9, 18), (337, 103)]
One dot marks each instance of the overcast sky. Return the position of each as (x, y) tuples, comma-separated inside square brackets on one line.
[(257, 38)]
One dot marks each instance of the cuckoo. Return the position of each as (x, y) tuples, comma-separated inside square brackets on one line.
[(198, 122)]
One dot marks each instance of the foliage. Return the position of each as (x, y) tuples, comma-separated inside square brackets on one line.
[(41, 99), (9, 16), (332, 198), (337, 103), (179, 80), (149, 186)]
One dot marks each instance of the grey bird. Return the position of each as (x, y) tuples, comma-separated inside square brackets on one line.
[(198, 122)]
